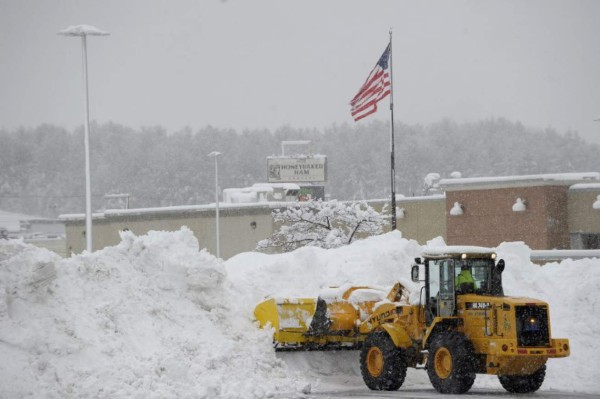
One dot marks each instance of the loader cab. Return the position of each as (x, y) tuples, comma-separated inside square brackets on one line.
[(445, 281)]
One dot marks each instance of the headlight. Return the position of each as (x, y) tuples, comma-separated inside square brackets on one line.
[(532, 325)]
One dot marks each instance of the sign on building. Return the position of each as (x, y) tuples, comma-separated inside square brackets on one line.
[(288, 169)]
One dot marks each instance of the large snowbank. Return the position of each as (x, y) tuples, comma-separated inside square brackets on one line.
[(148, 318), (155, 316)]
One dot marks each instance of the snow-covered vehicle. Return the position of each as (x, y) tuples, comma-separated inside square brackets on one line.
[(456, 330)]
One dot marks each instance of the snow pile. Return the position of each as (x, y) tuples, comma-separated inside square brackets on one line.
[(150, 317), (155, 317), (309, 271)]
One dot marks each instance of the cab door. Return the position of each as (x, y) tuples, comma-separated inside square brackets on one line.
[(440, 295), (447, 297)]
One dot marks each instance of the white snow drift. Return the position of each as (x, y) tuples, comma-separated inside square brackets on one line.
[(156, 317)]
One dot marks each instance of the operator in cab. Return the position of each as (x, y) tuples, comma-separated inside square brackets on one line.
[(464, 281)]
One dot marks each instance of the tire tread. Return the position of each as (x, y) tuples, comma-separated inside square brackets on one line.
[(394, 369), (462, 377)]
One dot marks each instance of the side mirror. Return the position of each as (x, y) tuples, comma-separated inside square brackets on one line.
[(500, 266), (418, 261), (414, 273)]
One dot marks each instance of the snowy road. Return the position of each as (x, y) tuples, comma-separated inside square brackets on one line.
[(337, 375), (424, 393), (431, 393)]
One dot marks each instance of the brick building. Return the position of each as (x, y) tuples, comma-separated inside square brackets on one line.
[(554, 211)]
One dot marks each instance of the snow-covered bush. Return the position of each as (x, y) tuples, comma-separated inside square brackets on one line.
[(431, 184), (324, 224)]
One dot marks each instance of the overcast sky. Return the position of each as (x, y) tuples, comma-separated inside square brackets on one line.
[(267, 63)]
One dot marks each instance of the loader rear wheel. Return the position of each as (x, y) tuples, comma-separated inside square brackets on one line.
[(382, 364), (450, 363), (523, 383)]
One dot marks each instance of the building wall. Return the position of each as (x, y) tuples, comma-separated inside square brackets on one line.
[(582, 217), (237, 233), (557, 221), (424, 218), (48, 227), (488, 218)]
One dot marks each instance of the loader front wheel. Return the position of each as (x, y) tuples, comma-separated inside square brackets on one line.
[(382, 364), (523, 383), (450, 363)]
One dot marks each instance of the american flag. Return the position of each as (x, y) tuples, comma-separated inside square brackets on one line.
[(376, 88)]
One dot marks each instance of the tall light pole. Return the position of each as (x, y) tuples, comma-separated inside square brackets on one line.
[(215, 155), (84, 31)]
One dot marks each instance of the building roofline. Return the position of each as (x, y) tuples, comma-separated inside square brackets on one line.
[(556, 179), (223, 206), (402, 198), (585, 187)]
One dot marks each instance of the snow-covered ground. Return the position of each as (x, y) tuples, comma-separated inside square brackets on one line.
[(157, 317)]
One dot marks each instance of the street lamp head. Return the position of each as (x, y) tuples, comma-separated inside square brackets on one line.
[(214, 154), (296, 142), (82, 30)]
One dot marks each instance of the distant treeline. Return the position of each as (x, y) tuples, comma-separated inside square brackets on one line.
[(42, 168)]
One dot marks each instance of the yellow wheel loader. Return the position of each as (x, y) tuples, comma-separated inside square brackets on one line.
[(462, 325)]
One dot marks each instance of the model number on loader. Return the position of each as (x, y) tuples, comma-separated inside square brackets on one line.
[(478, 305)]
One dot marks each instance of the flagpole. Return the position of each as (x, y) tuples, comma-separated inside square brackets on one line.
[(393, 162)]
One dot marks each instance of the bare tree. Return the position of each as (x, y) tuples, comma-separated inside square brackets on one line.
[(324, 224)]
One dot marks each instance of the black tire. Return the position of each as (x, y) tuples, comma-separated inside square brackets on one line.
[(382, 364), (523, 383), (451, 363)]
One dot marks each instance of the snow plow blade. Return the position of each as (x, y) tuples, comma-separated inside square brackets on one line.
[(290, 318), (329, 321)]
